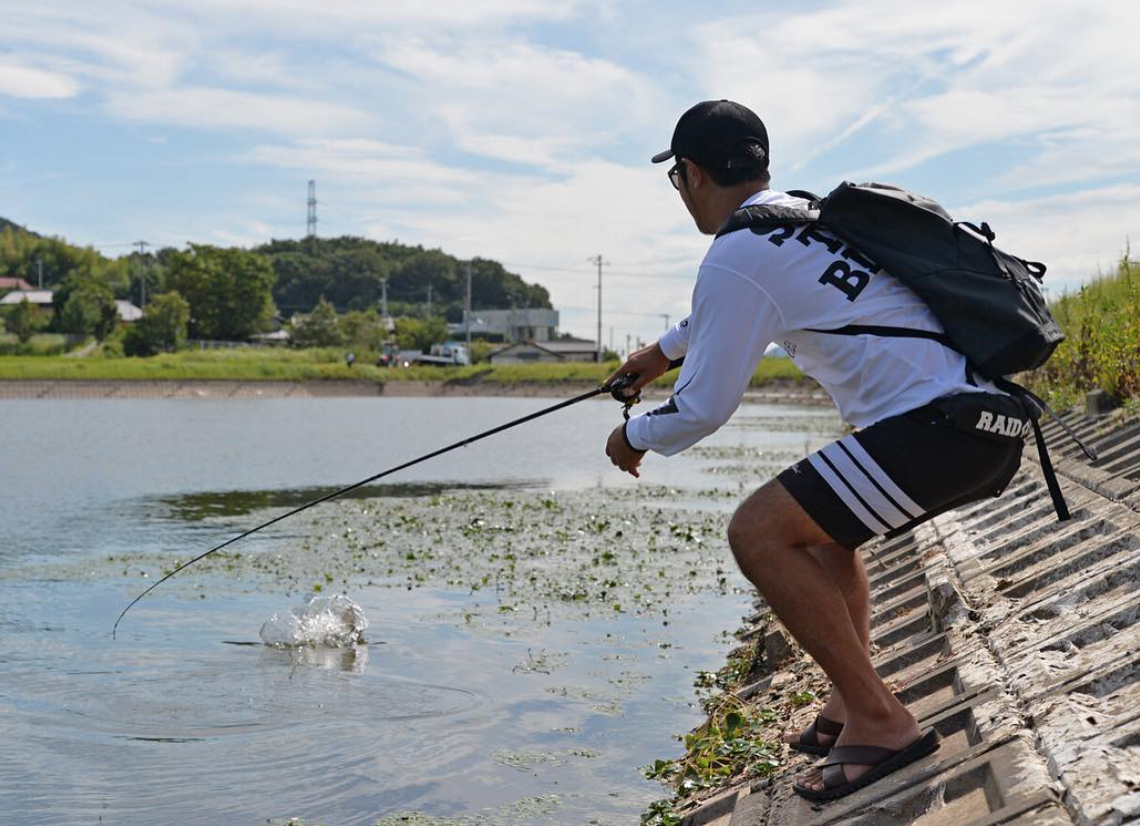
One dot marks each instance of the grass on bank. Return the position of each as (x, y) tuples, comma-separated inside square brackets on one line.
[(1101, 322), (44, 344), (280, 364)]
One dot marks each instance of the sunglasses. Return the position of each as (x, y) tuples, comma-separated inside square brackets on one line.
[(675, 174)]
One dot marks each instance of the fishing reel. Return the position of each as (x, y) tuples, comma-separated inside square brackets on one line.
[(622, 383), (618, 388)]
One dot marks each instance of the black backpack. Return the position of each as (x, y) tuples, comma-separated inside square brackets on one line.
[(988, 302)]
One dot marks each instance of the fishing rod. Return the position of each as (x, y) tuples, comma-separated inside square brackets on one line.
[(616, 388)]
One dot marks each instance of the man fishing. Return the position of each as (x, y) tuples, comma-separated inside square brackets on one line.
[(796, 538)]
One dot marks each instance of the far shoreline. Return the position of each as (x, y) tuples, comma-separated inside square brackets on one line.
[(774, 392)]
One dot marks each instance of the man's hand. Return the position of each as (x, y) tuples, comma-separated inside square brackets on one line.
[(622, 454), (648, 363)]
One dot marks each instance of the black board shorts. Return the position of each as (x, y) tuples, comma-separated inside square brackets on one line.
[(887, 478)]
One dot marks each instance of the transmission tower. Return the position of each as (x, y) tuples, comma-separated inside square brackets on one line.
[(311, 222)]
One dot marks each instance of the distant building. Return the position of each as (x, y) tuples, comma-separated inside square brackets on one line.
[(39, 297), (275, 337), (530, 352), (14, 284), (510, 325), (128, 312)]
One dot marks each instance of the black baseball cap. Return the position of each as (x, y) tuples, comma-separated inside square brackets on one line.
[(719, 134)]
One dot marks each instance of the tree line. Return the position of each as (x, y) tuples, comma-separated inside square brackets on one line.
[(231, 294)]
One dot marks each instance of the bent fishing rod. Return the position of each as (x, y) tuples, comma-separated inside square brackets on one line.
[(616, 388)]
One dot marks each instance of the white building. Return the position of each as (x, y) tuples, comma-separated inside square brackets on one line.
[(127, 311), (38, 297), (42, 298), (510, 325), (562, 349)]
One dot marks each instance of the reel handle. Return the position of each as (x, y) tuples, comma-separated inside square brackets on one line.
[(623, 382)]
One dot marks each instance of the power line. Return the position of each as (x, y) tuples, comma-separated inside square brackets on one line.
[(564, 308), (622, 273)]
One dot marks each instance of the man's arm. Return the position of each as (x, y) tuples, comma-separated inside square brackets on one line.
[(675, 341), (732, 322), (650, 362)]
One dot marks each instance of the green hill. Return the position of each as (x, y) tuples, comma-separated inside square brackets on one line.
[(350, 272), (5, 224)]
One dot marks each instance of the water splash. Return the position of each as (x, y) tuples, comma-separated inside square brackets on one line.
[(334, 621)]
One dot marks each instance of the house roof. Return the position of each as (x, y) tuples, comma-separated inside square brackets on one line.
[(128, 311), (522, 345), (569, 345), (33, 296), (14, 284)]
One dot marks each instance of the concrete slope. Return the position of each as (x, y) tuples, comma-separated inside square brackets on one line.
[(1014, 635)]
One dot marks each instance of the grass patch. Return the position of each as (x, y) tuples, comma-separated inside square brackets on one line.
[(43, 344), (1102, 346), (238, 365), (281, 364)]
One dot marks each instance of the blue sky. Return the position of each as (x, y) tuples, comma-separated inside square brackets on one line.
[(522, 130)]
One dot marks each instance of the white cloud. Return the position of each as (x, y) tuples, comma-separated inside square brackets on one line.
[(519, 129), (18, 79), (1075, 234), (227, 109), (541, 227), (961, 74), (520, 102)]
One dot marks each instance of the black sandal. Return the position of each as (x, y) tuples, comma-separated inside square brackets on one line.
[(809, 740), (884, 761)]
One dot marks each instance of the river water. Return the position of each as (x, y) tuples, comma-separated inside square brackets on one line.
[(526, 653)]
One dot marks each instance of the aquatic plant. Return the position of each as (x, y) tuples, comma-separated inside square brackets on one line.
[(730, 743)]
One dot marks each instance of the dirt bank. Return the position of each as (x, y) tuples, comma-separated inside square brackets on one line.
[(777, 392)]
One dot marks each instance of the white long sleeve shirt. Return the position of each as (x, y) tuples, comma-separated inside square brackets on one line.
[(753, 289)]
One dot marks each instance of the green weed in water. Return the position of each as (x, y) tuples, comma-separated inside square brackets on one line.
[(661, 813), (728, 744)]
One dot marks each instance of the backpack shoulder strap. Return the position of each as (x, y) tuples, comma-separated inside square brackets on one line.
[(1035, 405), (762, 217), (813, 199)]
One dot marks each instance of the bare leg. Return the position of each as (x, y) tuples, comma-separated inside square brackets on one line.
[(847, 571), (769, 535)]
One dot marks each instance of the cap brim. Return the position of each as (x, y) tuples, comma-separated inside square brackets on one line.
[(663, 156)]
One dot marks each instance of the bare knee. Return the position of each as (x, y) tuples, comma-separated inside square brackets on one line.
[(754, 527), (768, 520)]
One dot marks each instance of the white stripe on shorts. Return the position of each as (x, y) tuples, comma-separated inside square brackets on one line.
[(871, 467), (845, 493), (852, 473)]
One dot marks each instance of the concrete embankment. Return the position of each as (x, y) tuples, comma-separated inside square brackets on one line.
[(1015, 636), (778, 392)]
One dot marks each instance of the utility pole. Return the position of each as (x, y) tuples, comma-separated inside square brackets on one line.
[(142, 245), (627, 345), (467, 310), (429, 301), (40, 270), (598, 260), (311, 219), (611, 338), (666, 317), (384, 297)]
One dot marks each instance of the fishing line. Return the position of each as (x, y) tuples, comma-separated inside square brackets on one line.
[(615, 388)]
